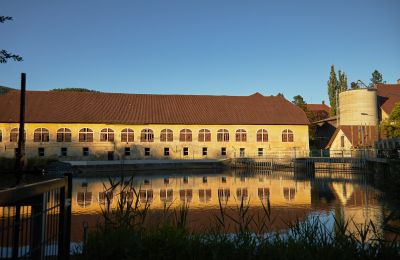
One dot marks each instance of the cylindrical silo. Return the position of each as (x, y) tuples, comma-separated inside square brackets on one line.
[(358, 107)]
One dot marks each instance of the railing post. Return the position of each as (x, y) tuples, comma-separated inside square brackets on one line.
[(64, 236), (38, 225), (16, 229)]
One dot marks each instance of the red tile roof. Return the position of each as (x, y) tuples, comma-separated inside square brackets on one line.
[(388, 96), (112, 108), (355, 134), (318, 107)]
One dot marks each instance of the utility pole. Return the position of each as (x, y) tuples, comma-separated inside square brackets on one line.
[(20, 153)]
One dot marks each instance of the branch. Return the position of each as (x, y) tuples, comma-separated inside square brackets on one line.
[(4, 56)]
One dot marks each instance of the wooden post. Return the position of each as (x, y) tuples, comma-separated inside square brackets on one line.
[(20, 154)]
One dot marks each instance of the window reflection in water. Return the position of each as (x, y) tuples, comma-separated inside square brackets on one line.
[(186, 195), (289, 193), (84, 199), (224, 194), (204, 195), (146, 196), (106, 197), (242, 194), (167, 195)]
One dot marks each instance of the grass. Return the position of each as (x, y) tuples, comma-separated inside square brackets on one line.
[(124, 233)]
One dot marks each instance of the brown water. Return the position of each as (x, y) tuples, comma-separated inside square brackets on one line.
[(292, 196)]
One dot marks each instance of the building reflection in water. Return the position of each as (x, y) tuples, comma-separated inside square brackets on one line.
[(290, 198)]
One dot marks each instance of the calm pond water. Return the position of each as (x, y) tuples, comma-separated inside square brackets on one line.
[(292, 196)]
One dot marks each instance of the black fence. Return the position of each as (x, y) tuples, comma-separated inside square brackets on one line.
[(35, 220)]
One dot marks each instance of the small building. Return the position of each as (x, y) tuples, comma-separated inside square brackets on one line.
[(361, 111), (101, 126)]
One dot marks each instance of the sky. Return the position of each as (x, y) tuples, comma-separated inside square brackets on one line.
[(207, 47)]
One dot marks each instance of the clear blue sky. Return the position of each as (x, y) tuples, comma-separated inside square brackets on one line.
[(200, 47)]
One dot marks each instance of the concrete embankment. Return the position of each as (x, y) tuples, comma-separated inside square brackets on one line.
[(98, 167)]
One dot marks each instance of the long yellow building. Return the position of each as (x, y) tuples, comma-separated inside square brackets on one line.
[(110, 126)]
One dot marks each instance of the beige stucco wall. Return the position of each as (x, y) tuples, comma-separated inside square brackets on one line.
[(98, 150), (336, 149), (358, 107)]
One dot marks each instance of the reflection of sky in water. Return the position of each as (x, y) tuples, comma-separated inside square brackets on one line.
[(291, 197)]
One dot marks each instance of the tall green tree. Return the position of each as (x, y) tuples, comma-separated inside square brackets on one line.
[(342, 81), (376, 78), (332, 88), (280, 95), (5, 55)]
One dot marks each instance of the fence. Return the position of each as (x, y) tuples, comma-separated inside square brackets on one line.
[(35, 220)]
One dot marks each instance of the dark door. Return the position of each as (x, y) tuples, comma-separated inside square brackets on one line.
[(111, 155)]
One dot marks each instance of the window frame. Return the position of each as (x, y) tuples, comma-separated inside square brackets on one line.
[(147, 135), (107, 135), (287, 136), (86, 135), (127, 135), (262, 135), (241, 135), (204, 135), (41, 135), (185, 135), (166, 135), (64, 135), (223, 135)]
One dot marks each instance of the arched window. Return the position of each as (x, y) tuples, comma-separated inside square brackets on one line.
[(185, 135), (63, 135), (86, 135), (107, 135), (241, 135), (127, 135), (41, 135), (166, 135), (204, 135), (147, 135), (262, 135), (223, 135), (287, 135), (14, 135)]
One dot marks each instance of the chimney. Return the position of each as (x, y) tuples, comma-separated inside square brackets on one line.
[(323, 102)]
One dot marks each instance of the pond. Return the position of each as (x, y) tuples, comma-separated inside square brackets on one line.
[(292, 197)]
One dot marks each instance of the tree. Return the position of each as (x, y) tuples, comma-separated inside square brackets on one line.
[(4, 89), (354, 85), (280, 95), (342, 81), (332, 88), (73, 90), (299, 101), (5, 55), (376, 78), (391, 126)]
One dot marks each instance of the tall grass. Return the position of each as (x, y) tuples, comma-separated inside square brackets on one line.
[(125, 232)]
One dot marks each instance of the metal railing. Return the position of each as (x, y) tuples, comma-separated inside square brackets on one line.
[(35, 220)]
